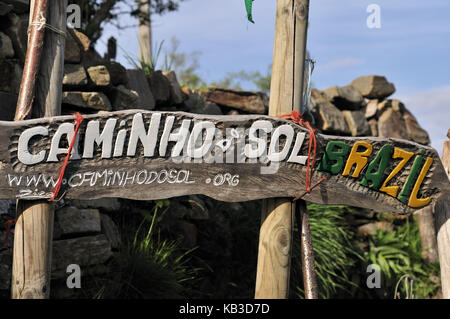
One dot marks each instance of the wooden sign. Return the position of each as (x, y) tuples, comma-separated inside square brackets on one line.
[(153, 155)]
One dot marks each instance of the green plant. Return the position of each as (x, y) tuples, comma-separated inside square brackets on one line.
[(399, 255), (148, 68), (336, 257)]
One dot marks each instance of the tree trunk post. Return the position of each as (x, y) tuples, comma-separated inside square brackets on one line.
[(145, 31), (33, 234), (275, 241), (442, 216)]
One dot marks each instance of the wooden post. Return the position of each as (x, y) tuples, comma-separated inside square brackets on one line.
[(274, 252), (442, 216), (425, 219), (34, 228)]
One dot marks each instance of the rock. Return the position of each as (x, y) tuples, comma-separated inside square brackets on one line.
[(415, 132), (88, 100), (117, 73), (10, 76), (99, 75), (373, 123), (72, 52), (249, 102), (383, 106), (5, 8), (6, 47), (329, 119), (371, 228), (9, 244), (371, 109), (91, 58), (391, 124), (448, 133), (357, 123), (6, 206), (104, 204), (123, 98), (83, 251), (5, 269), (17, 32), (19, 6), (345, 98), (194, 100), (207, 108), (374, 86), (138, 82), (83, 41), (75, 75), (318, 96), (398, 106), (73, 220), (109, 228), (8, 106), (188, 232), (176, 95), (160, 87)]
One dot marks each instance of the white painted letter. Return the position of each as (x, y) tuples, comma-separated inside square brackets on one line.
[(287, 131), (138, 133), (374, 19), (23, 153), (68, 130), (93, 136)]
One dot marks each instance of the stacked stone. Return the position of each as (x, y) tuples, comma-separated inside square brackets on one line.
[(362, 108)]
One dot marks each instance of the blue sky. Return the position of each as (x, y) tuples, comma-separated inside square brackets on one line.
[(412, 47)]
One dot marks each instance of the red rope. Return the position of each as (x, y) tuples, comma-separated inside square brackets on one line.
[(8, 226), (297, 118), (79, 120)]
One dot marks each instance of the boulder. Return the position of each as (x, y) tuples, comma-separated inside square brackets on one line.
[(248, 102), (123, 98), (104, 204), (373, 123), (117, 73), (415, 132), (5, 269), (6, 47), (10, 76), (345, 97), (73, 220), (176, 95), (8, 106), (109, 228), (99, 75), (137, 81), (371, 109), (392, 124), (88, 100), (207, 108), (74, 75), (17, 32), (329, 119), (160, 87), (72, 52), (318, 96), (83, 251), (374, 86), (357, 123)]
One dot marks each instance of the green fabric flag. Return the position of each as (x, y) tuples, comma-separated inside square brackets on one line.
[(248, 6)]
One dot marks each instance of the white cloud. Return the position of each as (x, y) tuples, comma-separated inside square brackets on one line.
[(432, 110)]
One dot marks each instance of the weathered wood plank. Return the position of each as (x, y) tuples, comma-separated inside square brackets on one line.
[(410, 175)]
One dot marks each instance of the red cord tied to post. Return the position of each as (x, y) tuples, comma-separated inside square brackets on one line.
[(79, 120), (297, 118)]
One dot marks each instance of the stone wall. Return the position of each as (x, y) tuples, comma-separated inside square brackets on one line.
[(84, 233)]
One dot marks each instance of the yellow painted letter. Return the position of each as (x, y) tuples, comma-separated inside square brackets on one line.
[(413, 200), (358, 158), (405, 156)]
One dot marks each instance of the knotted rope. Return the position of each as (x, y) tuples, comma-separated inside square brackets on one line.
[(42, 23), (297, 118)]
